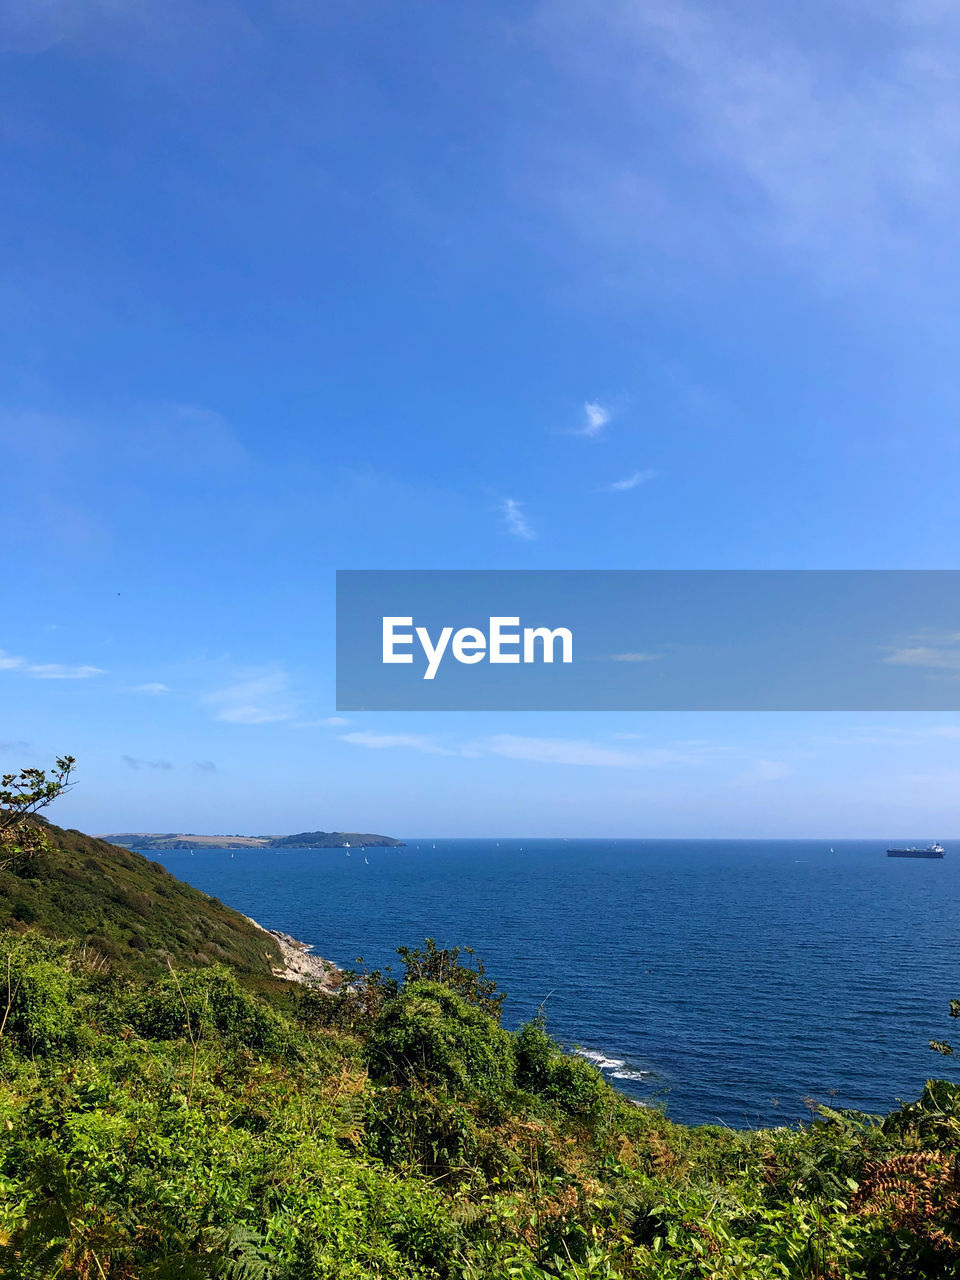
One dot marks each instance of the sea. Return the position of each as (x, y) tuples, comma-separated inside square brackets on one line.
[(733, 982)]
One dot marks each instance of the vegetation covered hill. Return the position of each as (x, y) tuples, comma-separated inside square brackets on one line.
[(333, 840), (149, 842), (162, 1115), (153, 841), (126, 908), (186, 1127)]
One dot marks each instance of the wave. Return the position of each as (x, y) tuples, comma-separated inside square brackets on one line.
[(617, 1067), (600, 1059)]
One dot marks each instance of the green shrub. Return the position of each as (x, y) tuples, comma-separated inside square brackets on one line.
[(216, 1004), (37, 996), (430, 1035), (933, 1119), (569, 1083), (442, 964)]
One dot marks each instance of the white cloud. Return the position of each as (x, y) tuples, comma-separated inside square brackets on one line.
[(630, 482), (595, 418), (574, 751), (383, 741), (743, 767), (57, 671), (635, 657), (569, 751), (515, 520), (153, 687), (940, 659), (895, 736), (47, 670), (257, 697), (841, 150)]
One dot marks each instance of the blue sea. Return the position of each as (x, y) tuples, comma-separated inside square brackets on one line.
[(728, 979)]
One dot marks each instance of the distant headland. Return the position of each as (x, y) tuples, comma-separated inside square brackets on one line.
[(147, 841)]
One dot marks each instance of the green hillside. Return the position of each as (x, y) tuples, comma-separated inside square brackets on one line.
[(155, 842), (168, 1111), (128, 909), (333, 840), (181, 1127)]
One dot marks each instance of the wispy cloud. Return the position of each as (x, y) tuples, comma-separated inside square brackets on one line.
[(327, 722), (46, 670), (565, 751), (943, 659), (895, 736), (630, 482), (595, 418), (260, 696), (134, 762), (205, 766), (515, 519), (634, 657), (153, 687), (383, 741), (845, 151), (576, 752)]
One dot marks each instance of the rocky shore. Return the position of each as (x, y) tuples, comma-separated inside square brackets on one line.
[(299, 962)]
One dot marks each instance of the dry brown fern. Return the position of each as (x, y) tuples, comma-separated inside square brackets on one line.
[(916, 1191)]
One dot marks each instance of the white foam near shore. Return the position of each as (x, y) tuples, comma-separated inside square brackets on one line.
[(600, 1059), (616, 1066)]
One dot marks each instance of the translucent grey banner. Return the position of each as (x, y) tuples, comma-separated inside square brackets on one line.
[(648, 640)]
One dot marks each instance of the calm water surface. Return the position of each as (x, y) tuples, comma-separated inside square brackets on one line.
[(736, 978)]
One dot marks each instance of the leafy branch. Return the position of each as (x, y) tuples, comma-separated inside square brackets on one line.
[(22, 796)]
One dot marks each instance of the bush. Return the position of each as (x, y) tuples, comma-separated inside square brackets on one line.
[(569, 1083), (37, 996), (442, 964), (216, 1003), (933, 1119), (429, 1035)]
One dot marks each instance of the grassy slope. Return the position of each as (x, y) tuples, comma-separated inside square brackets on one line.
[(128, 908), (405, 1136), (384, 1133)]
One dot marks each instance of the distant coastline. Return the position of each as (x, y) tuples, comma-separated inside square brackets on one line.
[(152, 841)]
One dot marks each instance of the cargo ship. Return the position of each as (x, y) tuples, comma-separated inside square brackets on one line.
[(935, 850)]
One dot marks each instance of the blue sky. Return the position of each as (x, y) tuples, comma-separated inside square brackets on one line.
[(289, 287)]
